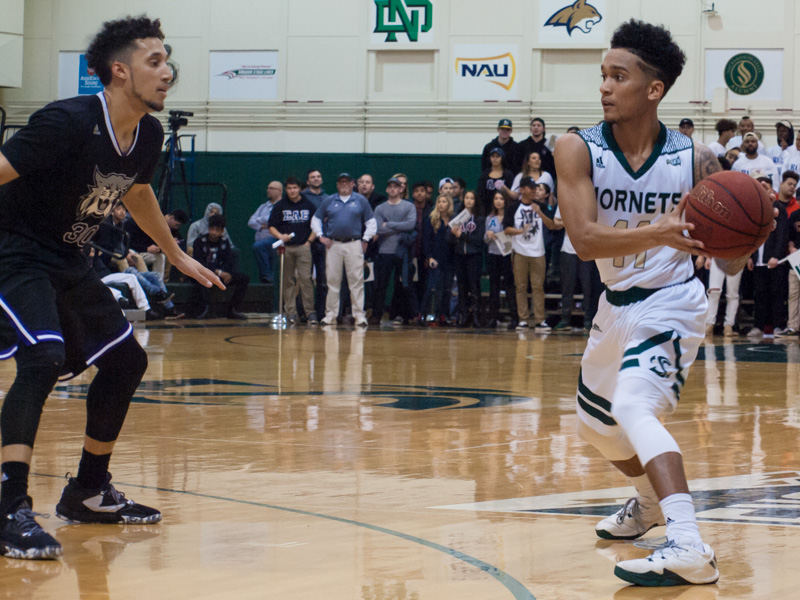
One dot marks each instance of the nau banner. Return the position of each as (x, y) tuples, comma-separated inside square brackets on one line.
[(484, 72), (401, 21), (576, 23), (747, 74), (243, 75)]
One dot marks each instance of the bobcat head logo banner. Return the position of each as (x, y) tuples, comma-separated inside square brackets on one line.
[(103, 195), (579, 15)]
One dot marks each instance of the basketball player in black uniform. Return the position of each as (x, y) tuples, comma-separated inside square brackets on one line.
[(60, 177)]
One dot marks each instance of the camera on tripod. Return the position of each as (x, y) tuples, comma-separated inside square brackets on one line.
[(177, 118)]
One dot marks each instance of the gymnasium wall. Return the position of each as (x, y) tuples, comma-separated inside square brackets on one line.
[(348, 99), (246, 175), (343, 88)]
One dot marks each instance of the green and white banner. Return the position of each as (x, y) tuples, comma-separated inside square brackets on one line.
[(747, 74), (401, 22)]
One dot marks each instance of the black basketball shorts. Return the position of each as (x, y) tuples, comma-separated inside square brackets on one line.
[(48, 296)]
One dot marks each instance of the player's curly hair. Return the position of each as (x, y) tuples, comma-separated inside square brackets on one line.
[(653, 44), (117, 38)]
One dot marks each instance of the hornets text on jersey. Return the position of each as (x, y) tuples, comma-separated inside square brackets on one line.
[(628, 199)]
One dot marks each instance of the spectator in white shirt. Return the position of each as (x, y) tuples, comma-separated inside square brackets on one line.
[(750, 161), (746, 126), (726, 129)]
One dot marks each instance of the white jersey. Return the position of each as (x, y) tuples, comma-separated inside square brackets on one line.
[(759, 163), (791, 160), (717, 148), (778, 156), (627, 200)]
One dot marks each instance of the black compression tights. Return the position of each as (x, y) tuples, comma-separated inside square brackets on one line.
[(38, 367), (119, 373)]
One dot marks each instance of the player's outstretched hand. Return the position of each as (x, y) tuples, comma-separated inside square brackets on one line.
[(671, 228), (189, 266)]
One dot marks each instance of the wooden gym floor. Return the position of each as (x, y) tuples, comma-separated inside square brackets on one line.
[(405, 465)]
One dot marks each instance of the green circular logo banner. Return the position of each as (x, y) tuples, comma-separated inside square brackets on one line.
[(744, 74)]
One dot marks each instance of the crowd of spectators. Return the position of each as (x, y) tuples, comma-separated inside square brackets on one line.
[(389, 252), (770, 283), (422, 254)]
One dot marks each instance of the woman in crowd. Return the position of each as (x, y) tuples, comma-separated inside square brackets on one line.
[(553, 238), (438, 253), (467, 238), (497, 177), (501, 273), (531, 167)]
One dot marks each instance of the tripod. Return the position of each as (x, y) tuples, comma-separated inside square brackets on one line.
[(174, 159)]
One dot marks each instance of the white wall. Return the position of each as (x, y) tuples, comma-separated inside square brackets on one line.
[(383, 97)]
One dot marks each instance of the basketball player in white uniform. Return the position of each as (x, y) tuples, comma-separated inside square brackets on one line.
[(621, 189)]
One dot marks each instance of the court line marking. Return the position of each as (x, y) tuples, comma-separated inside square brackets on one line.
[(519, 591)]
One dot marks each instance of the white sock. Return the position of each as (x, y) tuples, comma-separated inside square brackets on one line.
[(682, 526), (647, 495)]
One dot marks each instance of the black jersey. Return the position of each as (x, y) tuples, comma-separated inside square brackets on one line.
[(72, 172)]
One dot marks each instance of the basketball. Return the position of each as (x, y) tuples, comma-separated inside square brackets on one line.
[(731, 213)]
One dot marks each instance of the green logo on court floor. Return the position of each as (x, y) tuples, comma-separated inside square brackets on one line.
[(744, 74)]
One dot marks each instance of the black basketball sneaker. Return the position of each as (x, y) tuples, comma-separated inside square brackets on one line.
[(104, 505), (22, 537)]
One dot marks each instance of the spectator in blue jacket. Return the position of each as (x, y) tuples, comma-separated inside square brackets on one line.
[(344, 223)]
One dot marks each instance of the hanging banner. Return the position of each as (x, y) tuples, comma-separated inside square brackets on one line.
[(580, 24), (73, 76), (401, 22), (484, 72), (243, 75), (747, 74)]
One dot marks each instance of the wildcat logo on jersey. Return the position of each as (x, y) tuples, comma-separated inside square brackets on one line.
[(674, 162), (759, 499), (579, 15), (103, 195)]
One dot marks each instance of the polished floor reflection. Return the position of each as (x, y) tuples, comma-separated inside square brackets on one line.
[(405, 465)]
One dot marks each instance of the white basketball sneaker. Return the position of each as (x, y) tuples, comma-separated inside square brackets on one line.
[(672, 565), (631, 521)]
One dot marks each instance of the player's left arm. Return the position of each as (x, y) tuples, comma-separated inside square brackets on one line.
[(705, 162), (7, 172), (141, 202)]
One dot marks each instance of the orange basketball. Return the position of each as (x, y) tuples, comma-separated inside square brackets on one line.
[(731, 213)]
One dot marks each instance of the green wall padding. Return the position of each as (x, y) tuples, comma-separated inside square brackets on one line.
[(246, 175)]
